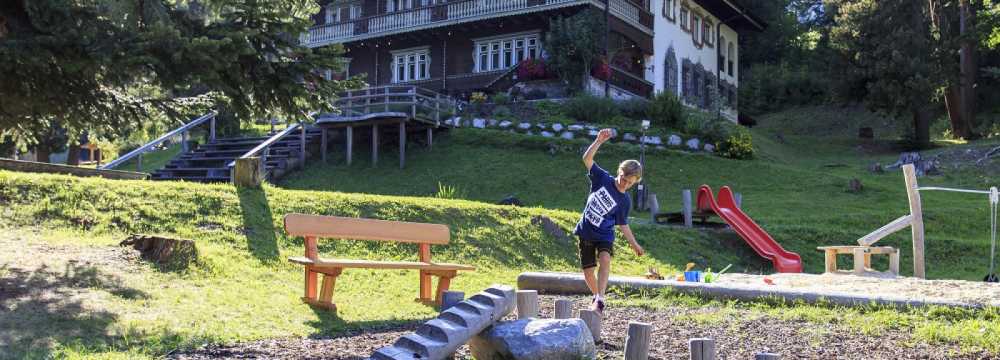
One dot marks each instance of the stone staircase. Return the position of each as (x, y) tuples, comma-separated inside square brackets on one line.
[(210, 162)]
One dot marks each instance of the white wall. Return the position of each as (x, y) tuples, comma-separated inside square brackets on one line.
[(669, 34)]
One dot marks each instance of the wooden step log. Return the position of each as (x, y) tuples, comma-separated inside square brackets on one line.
[(637, 341), (593, 321), (564, 309), (527, 304), (702, 348)]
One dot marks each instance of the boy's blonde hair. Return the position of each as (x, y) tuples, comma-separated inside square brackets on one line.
[(630, 168)]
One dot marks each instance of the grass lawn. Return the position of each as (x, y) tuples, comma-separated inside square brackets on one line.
[(77, 296)]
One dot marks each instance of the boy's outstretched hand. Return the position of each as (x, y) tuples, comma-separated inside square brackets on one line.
[(638, 249), (604, 135)]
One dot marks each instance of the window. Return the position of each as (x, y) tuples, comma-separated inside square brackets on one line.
[(355, 11), (684, 18), (696, 29), (398, 5), (505, 53), (668, 10), (732, 57), (707, 33), (722, 54), (411, 65)]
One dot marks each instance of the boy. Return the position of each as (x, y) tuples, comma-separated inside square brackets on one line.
[(607, 206)]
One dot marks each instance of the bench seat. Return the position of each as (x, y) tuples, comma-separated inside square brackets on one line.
[(369, 264)]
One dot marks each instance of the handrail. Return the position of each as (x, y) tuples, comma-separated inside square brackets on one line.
[(631, 75), (267, 143), (161, 139)]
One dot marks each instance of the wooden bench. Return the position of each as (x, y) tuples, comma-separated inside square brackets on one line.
[(862, 257), (313, 227)]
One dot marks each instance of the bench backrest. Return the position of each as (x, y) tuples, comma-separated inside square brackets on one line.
[(365, 229)]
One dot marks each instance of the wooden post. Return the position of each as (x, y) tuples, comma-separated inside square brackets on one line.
[(654, 208), (686, 208), (637, 341), (349, 136), (739, 200), (402, 144), (138, 163), (430, 137), (311, 276), (831, 260), (437, 110), (374, 145), (302, 146), (322, 145), (527, 304), (425, 277), (894, 262), (593, 321), (248, 172), (564, 309), (184, 142), (451, 298), (917, 227), (859, 261), (211, 134), (702, 349), (766, 356)]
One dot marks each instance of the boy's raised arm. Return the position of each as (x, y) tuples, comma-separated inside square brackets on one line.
[(588, 157)]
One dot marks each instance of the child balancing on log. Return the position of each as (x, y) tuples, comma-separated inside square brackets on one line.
[(607, 206)]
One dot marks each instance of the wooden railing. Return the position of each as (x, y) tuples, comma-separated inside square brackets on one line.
[(182, 131), (417, 103), (631, 83), (264, 148), (459, 11)]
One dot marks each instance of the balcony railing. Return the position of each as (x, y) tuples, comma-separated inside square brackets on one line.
[(631, 83), (457, 12)]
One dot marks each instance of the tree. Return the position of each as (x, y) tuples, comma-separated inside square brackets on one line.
[(889, 45), (573, 44), (107, 66)]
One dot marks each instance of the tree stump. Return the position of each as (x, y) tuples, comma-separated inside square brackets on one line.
[(169, 254), (593, 320), (248, 172), (527, 304), (637, 341), (702, 349), (564, 309)]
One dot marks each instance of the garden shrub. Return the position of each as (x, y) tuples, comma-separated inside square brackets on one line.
[(536, 94), (591, 109), (501, 99), (549, 108), (532, 69), (635, 108), (707, 127), (738, 145), (665, 110), (502, 112)]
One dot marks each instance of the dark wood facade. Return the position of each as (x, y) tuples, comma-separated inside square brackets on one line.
[(451, 47)]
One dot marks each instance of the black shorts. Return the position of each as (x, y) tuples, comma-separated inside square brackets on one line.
[(590, 249)]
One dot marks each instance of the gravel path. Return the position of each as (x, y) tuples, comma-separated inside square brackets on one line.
[(738, 336)]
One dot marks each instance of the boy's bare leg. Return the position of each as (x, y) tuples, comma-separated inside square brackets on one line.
[(604, 259), (588, 276)]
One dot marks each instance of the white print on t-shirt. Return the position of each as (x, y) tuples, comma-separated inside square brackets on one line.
[(599, 204)]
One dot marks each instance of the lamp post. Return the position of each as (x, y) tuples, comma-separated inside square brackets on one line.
[(641, 190)]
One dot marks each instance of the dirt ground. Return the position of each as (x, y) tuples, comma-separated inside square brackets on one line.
[(738, 336)]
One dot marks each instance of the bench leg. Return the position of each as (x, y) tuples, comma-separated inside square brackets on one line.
[(312, 278), (325, 299), (831, 261), (894, 262), (859, 261), (444, 281), (868, 261), (425, 286)]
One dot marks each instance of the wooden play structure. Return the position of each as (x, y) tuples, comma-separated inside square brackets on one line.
[(313, 227), (914, 220)]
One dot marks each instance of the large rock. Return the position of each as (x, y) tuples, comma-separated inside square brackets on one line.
[(629, 137), (547, 134), (479, 123), (557, 127), (535, 339), (694, 144), (492, 123), (652, 140), (674, 140), (505, 124), (709, 148), (567, 135), (575, 127), (524, 126)]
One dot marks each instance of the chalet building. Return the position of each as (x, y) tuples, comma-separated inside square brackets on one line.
[(696, 47), (460, 46)]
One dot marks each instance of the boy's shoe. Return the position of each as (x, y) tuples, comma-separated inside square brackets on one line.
[(599, 307)]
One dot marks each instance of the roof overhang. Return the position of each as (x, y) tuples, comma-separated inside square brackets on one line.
[(734, 14)]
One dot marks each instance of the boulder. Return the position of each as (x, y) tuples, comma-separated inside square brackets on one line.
[(674, 140), (694, 144), (492, 123), (709, 148), (542, 126), (592, 133), (535, 339), (652, 140), (479, 123), (548, 134), (629, 137), (511, 200), (575, 127), (505, 124), (567, 135), (558, 127), (524, 126)]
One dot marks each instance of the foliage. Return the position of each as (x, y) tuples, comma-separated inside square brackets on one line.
[(502, 112), (601, 70), (899, 78), (591, 109), (768, 88), (738, 145), (477, 97), (666, 110), (532, 69), (500, 99), (707, 126), (573, 45), (635, 108), (536, 94), (548, 108), (106, 67), (449, 192)]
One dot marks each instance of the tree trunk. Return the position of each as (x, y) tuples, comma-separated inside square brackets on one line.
[(922, 128), (42, 154), (73, 155), (959, 125), (967, 64)]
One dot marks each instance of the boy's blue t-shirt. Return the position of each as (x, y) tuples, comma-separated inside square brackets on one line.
[(606, 207)]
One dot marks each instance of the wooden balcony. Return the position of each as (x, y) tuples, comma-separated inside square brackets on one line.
[(631, 82), (455, 12)]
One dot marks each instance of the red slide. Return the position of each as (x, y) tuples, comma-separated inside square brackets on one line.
[(761, 242)]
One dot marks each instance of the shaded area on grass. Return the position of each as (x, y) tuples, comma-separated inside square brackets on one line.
[(258, 224)]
